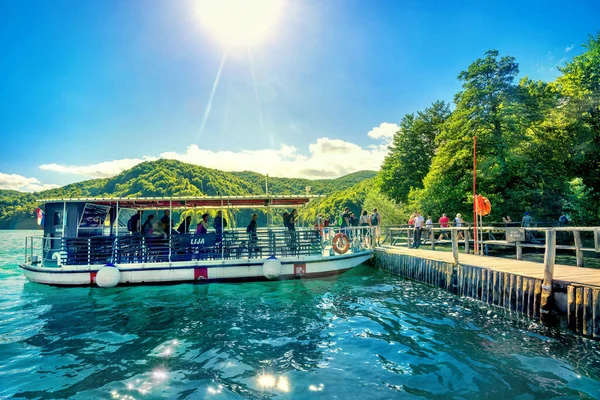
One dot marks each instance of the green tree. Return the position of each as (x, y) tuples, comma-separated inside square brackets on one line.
[(412, 149)]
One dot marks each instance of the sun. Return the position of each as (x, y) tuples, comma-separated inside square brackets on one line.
[(239, 23)]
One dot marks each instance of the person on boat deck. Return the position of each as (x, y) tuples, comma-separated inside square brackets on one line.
[(291, 225), (291, 222), (252, 237), (166, 220), (147, 227), (136, 223), (219, 224), (158, 229), (184, 227), (507, 219), (202, 228)]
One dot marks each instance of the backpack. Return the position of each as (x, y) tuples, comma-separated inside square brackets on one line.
[(374, 219), (340, 220)]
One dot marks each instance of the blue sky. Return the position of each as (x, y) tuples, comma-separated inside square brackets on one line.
[(91, 88)]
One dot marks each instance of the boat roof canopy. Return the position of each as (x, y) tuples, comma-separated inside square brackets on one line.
[(140, 203)]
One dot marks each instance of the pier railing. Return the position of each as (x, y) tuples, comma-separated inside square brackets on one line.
[(231, 244), (518, 237)]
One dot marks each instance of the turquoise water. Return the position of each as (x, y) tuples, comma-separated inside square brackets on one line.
[(365, 334)]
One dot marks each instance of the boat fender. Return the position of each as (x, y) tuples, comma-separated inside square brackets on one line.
[(108, 276), (341, 243), (272, 268)]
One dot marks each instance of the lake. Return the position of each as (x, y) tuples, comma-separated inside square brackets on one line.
[(365, 334)]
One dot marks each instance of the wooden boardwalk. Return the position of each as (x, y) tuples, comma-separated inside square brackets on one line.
[(563, 274), (549, 292)]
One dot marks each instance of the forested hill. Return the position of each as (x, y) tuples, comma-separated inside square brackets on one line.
[(168, 178)]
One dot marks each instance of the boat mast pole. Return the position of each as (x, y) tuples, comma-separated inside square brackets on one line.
[(117, 219), (64, 218), (170, 223), (221, 243)]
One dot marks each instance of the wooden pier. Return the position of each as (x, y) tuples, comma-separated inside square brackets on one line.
[(547, 292)]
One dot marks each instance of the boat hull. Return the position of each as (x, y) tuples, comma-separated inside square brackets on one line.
[(235, 270)]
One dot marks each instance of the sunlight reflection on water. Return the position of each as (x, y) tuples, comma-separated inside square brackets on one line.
[(365, 334)]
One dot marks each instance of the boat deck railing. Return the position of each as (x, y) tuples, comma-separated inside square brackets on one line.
[(232, 244)]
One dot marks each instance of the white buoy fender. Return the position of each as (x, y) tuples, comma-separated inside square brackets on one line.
[(272, 268), (108, 276)]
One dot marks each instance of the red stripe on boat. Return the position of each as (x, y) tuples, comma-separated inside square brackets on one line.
[(200, 273), (300, 269), (93, 276)]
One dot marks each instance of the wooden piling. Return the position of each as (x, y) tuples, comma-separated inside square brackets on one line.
[(588, 318), (454, 236), (596, 313), (547, 309), (467, 241), (578, 248), (571, 320)]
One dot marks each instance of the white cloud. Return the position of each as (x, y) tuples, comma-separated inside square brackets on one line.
[(101, 170), (569, 48), (22, 184), (385, 130), (326, 158)]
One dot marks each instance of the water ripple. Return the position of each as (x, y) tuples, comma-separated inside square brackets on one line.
[(365, 335)]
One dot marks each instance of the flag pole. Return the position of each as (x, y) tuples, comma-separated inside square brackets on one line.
[(475, 193)]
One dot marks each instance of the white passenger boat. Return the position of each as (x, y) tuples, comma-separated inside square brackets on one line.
[(86, 242)]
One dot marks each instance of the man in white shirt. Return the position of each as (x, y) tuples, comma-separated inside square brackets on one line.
[(419, 222)]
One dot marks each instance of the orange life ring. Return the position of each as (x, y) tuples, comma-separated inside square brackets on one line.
[(484, 207), (341, 238)]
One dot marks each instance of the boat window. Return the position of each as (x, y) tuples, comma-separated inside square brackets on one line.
[(58, 218), (92, 220)]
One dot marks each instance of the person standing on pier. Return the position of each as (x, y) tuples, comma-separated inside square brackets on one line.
[(376, 222), (419, 221), (443, 224)]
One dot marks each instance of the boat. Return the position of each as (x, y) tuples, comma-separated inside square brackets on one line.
[(87, 241)]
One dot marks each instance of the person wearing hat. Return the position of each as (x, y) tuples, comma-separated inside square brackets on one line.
[(458, 221), (527, 220)]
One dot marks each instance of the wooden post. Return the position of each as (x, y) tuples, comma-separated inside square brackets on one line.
[(467, 240), (432, 237), (547, 313), (578, 248), (455, 246), (519, 251)]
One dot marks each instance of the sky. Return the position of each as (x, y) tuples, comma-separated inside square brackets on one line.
[(284, 87)]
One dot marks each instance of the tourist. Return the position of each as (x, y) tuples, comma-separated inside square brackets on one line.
[(458, 221), (444, 224), (220, 223), (147, 227), (202, 228), (507, 219), (291, 225), (376, 222), (166, 220), (563, 220), (365, 221), (418, 221), (429, 222), (252, 236), (184, 227), (134, 224), (527, 220)]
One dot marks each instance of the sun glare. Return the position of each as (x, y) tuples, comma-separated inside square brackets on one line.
[(239, 23)]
